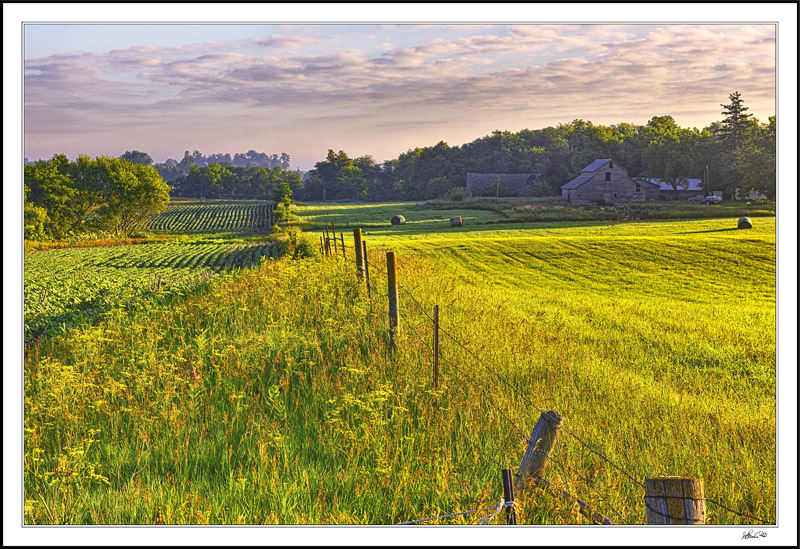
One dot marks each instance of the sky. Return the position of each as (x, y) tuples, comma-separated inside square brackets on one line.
[(371, 89)]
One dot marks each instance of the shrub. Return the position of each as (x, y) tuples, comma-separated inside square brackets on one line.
[(456, 194), (301, 246)]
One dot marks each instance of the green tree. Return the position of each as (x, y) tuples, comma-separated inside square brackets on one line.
[(733, 134), (757, 161), (669, 155), (51, 188), (137, 157), (35, 218), (132, 193)]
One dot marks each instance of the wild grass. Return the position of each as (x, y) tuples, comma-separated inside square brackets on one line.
[(656, 341)]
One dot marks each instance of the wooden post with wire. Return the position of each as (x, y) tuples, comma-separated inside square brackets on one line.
[(508, 497), (344, 255), (436, 349), (674, 500), (366, 267), (540, 446), (335, 247), (321, 245), (359, 258), (327, 242), (394, 308)]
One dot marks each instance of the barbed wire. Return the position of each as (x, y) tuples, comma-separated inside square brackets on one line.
[(504, 504), (529, 401), (513, 388)]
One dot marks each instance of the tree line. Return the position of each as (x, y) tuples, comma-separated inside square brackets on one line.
[(735, 153), (172, 169), (88, 195)]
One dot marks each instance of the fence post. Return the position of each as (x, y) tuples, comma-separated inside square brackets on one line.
[(674, 500), (366, 267), (394, 308), (436, 349), (335, 247), (327, 242), (359, 259), (344, 255), (321, 246), (543, 439), (508, 497)]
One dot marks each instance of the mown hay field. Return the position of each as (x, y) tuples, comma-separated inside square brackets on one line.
[(272, 397)]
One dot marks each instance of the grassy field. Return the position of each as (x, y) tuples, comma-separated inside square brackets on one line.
[(272, 398)]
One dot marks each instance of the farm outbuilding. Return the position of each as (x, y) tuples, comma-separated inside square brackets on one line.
[(515, 184), (690, 187), (606, 180)]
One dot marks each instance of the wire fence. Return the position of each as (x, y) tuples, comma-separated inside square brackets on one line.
[(416, 328)]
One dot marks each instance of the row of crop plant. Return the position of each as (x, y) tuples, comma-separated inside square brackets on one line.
[(66, 286), (200, 218)]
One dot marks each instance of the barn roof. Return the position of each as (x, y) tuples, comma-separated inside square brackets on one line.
[(578, 181), (694, 184), (515, 182), (596, 164)]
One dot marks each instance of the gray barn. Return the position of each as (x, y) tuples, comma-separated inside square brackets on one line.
[(606, 180)]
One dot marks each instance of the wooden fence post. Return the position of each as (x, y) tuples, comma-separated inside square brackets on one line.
[(359, 258), (321, 246), (436, 350), (344, 255), (366, 267), (508, 497), (674, 500), (335, 247), (394, 308), (327, 242), (543, 439)]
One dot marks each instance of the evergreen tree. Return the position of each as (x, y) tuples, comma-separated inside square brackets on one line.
[(736, 126)]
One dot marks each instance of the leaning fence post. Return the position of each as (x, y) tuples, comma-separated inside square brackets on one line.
[(508, 497), (335, 247), (540, 445), (321, 246), (674, 500), (436, 349), (327, 242), (366, 267), (341, 235), (394, 314), (359, 258)]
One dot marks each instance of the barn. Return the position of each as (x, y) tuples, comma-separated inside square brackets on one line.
[(514, 184), (606, 180), (691, 187)]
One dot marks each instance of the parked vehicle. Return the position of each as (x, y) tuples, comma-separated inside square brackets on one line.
[(705, 199)]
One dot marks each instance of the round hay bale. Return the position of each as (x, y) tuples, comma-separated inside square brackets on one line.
[(398, 220), (456, 221), (745, 223)]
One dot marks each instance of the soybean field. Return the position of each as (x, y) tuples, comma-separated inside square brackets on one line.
[(63, 287), (193, 217)]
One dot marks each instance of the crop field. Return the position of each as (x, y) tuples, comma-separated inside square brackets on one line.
[(67, 285), (190, 217), (272, 397)]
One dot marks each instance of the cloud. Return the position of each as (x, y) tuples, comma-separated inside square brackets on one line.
[(519, 71)]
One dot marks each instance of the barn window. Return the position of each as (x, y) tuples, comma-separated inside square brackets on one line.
[(611, 164), (615, 195), (608, 176), (638, 188)]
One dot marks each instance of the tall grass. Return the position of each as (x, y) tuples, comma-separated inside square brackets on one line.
[(297, 413)]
